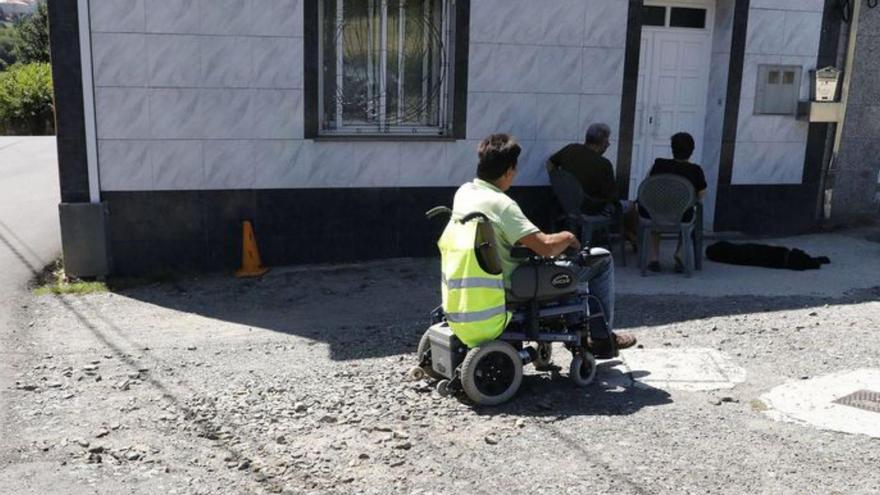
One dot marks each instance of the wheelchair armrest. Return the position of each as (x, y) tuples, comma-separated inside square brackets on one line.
[(522, 252), (588, 256)]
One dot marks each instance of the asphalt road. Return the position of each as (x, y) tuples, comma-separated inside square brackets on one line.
[(29, 196), (29, 234)]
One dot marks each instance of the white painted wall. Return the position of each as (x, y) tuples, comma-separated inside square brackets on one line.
[(207, 94), (771, 149)]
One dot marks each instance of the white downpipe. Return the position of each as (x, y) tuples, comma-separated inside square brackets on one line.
[(88, 86)]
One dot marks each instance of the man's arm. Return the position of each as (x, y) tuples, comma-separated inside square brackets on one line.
[(556, 158), (549, 245), (702, 185)]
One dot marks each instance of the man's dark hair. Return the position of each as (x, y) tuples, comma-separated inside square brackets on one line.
[(682, 146), (498, 153)]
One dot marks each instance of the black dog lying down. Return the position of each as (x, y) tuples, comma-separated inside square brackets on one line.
[(764, 255)]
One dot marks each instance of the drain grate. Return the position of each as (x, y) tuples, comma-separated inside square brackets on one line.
[(867, 400)]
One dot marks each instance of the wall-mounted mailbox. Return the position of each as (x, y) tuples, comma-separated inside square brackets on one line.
[(823, 84)]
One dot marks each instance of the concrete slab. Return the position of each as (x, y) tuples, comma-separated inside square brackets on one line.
[(855, 263), (685, 369), (812, 402)]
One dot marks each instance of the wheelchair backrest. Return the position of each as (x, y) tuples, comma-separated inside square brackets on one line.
[(542, 282)]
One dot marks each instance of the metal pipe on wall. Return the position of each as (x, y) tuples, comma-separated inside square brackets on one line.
[(88, 90)]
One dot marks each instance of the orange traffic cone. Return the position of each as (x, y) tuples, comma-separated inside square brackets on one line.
[(251, 266)]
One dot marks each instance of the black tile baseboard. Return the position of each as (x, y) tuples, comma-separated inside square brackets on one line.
[(69, 112), (160, 231), (767, 209), (629, 94)]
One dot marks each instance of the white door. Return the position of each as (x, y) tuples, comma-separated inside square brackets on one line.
[(673, 87)]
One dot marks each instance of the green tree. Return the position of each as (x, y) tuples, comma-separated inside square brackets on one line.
[(32, 36), (26, 99), (7, 42)]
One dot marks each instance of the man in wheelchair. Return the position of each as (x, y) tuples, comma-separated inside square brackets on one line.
[(496, 170), (482, 302)]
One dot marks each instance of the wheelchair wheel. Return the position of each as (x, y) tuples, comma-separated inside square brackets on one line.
[(491, 373), (443, 388), (544, 355), (416, 373), (583, 369), (424, 351)]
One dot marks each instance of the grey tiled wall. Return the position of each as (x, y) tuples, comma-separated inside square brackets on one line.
[(771, 149), (207, 94)]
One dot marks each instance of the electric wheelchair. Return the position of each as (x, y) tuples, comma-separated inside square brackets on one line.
[(546, 306)]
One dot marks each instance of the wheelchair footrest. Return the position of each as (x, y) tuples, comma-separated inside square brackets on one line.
[(541, 337)]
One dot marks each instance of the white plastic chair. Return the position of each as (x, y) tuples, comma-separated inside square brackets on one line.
[(667, 198)]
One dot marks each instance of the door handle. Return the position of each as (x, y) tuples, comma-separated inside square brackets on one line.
[(655, 129)]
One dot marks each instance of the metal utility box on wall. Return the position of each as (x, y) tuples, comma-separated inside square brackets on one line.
[(84, 239), (778, 89)]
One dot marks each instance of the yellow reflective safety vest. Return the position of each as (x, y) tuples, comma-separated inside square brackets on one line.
[(473, 298)]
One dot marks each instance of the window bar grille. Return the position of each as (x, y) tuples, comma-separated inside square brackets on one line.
[(321, 116), (435, 66), (401, 34), (371, 70), (444, 26), (339, 65), (383, 65), (426, 35)]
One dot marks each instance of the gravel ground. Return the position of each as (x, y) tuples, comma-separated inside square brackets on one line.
[(295, 384)]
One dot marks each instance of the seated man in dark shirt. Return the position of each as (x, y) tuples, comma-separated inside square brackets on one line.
[(682, 149), (592, 170)]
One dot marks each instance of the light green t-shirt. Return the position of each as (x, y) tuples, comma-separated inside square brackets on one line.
[(508, 220)]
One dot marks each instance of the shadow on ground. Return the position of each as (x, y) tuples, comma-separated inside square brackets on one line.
[(613, 393), (381, 309)]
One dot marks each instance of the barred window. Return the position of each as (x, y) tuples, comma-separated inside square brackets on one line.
[(385, 67)]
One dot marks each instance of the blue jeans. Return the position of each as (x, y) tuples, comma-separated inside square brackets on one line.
[(599, 278)]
